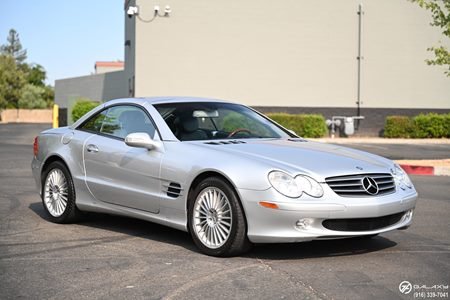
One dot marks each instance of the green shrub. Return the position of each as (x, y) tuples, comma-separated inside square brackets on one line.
[(398, 127), (308, 126), (429, 125), (447, 124), (81, 107)]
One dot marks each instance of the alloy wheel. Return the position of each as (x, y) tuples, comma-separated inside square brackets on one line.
[(212, 217), (56, 192)]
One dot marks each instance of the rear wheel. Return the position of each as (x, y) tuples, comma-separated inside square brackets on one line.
[(216, 219), (58, 194)]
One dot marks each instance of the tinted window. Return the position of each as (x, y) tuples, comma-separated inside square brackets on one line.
[(204, 121), (94, 124), (123, 120)]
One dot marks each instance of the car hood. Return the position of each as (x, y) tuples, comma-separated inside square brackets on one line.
[(297, 156)]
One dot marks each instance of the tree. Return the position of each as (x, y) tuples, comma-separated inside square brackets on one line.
[(21, 84), (32, 97), (14, 47), (35, 74), (440, 12), (12, 80), (49, 95)]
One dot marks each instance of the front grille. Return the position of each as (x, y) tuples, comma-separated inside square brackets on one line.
[(352, 185), (363, 224)]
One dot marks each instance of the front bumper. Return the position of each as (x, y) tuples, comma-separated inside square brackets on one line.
[(266, 225), (36, 167)]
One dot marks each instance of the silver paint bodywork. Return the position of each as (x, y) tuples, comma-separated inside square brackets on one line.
[(132, 181)]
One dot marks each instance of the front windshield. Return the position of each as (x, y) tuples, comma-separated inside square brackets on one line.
[(214, 120)]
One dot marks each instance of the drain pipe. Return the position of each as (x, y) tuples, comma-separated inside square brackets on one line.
[(359, 58)]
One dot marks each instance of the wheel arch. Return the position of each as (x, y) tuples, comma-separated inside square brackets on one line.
[(52, 158), (213, 173)]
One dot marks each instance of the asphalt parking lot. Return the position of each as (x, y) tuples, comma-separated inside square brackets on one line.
[(113, 257), (411, 151)]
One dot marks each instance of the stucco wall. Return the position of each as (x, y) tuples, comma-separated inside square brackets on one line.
[(27, 116), (290, 53), (99, 87)]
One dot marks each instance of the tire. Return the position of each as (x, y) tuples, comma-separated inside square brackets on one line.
[(209, 219), (58, 194)]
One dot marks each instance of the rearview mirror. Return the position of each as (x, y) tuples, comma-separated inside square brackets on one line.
[(140, 140), (205, 114)]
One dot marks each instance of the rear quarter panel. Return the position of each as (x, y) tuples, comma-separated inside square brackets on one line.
[(66, 145)]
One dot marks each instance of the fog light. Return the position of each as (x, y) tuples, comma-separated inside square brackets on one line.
[(303, 223), (409, 214)]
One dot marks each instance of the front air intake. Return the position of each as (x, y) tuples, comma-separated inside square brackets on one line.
[(362, 224)]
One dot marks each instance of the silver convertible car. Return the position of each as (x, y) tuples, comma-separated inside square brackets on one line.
[(221, 171)]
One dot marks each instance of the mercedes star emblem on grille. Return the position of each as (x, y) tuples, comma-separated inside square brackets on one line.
[(369, 185)]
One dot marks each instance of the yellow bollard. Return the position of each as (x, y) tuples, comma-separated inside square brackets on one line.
[(55, 116)]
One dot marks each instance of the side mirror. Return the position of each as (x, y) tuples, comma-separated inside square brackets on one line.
[(140, 140), (293, 132)]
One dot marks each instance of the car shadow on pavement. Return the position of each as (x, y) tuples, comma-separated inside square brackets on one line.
[(321, 248), (160, 233), (129, 226)]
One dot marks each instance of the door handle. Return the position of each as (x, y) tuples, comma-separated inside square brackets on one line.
[(92, 148)]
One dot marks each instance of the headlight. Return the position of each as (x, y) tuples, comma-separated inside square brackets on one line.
[(401, 177), (295, 187), (285, 184)]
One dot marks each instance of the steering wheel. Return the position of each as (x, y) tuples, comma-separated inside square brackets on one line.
[(236, 131)]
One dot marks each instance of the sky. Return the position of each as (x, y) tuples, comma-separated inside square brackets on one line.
[(66, 37)]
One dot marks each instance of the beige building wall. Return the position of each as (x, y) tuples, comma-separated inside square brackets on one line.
[(288, 53)]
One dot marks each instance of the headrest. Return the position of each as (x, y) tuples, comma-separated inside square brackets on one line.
[(189, 124)]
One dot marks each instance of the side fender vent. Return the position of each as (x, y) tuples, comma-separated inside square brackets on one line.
[(172, 189)]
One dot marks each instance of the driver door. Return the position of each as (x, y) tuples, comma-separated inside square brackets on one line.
[(117, 173)]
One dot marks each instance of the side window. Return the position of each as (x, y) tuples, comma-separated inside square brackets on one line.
[(123, 120), (95, 123)]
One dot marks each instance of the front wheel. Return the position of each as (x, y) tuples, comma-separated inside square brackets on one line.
[(216, 219), (58, 194)]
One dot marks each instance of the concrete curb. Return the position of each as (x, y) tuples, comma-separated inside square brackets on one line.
[(426, 170), (418, 170), (377, 140)]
